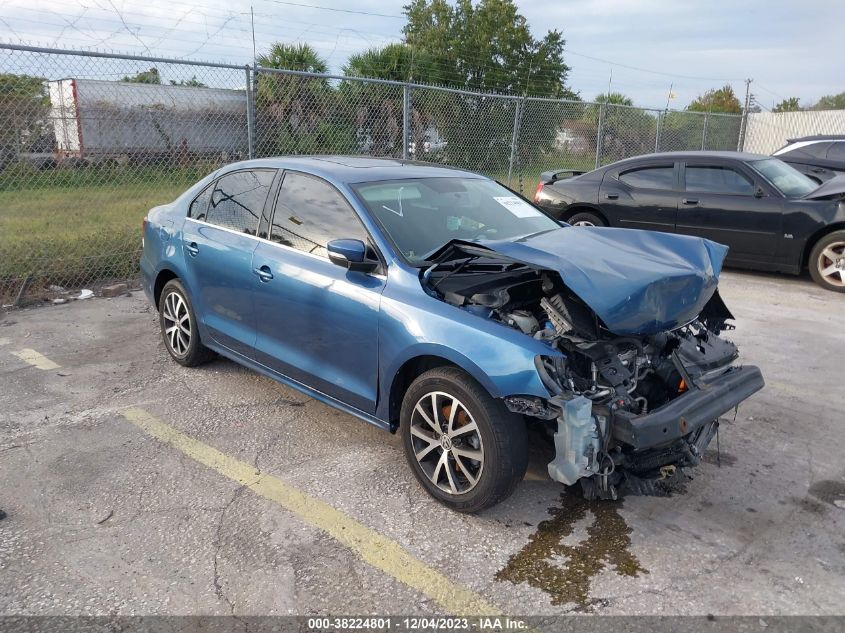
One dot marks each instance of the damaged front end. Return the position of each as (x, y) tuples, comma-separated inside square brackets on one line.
[(637, 372)]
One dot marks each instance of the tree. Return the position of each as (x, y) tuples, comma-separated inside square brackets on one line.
[(397, 62), (293, 57), (193, 82), (717, 100), (487, 47), (24, 108), (150, 76), (296, 114), (831, 102), (379, 107), (787, 105), (614, 98)]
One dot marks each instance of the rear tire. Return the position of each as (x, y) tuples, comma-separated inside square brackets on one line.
[(827, 262), (587, 218), (179, 329), (479, 451)]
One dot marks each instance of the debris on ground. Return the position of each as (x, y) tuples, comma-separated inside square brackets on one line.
[(114, 290)]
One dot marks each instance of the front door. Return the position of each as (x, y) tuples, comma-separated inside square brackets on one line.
[(218, 239), (317, 322), (721, 202)]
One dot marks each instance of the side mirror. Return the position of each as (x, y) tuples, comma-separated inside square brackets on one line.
[(759, 193), (351, 254)]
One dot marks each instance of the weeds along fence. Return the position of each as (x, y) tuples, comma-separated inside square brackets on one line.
[(89, 142)]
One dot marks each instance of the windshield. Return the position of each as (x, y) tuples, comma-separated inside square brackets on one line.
[(420, 215), (791, 182)]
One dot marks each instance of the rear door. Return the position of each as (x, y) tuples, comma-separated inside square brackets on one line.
[(641, 196), (218, 239), (317, 322), (725, 202)]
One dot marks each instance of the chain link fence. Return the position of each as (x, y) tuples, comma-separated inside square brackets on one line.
[(89, 142)]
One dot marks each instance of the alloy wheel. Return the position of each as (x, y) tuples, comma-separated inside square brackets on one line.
[(447, 442), (831, 264), (177, 323), (583, 223)]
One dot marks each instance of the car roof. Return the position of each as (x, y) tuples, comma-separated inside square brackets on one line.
[(356, 169), (817, 137), (726, 155)]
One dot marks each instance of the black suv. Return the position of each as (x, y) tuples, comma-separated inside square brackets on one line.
[(819, 157)]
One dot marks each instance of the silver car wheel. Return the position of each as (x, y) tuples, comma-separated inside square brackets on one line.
[(177, 324), (583, 223), (831, 264), (447, 443)]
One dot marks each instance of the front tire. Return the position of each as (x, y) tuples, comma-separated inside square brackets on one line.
[(179, 329), (465, 448), (587, 218), (827, 262)]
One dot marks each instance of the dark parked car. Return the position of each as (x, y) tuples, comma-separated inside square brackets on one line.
[(435, 302), (818, 157), (771, 216)]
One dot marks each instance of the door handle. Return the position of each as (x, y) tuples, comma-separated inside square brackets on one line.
[(192, 249), (264, 273), (612, 196), (690, 201)]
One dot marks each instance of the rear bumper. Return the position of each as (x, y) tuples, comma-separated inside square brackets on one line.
[(687, 413)]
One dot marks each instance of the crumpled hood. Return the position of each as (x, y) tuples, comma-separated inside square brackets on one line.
[(637, 282), (832, 187)]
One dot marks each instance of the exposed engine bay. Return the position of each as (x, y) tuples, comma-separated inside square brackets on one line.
[(625, 411)]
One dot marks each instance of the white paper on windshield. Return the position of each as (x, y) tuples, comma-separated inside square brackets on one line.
[(520, 208)]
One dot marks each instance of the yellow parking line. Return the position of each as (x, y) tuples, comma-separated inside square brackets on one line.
[(377, 550), (36, 359)]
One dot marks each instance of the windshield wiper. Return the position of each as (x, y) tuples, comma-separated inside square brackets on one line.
[(457, 269)]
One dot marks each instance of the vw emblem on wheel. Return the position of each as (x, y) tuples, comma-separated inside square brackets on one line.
[(445, 442)]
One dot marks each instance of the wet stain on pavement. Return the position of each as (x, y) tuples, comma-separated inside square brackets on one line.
[(829, 491), (566, 571), (723, 459)]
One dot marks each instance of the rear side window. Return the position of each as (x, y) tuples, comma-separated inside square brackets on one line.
[(714, 179), (310, 213), (657, 177), (237, 200)]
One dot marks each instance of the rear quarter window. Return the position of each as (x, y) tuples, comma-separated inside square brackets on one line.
[(199, 206), (237, 200)]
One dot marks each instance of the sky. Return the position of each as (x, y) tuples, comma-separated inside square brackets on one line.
[(637, 47)]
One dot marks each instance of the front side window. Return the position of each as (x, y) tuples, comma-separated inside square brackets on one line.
[(237, 200), (419, 215), (791, 182), (714, 179), (310, 213), (657, 177)]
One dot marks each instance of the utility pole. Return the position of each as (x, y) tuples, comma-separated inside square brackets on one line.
[(744, 124)]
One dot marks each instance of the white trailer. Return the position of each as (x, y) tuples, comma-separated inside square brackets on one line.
[(95, 119)]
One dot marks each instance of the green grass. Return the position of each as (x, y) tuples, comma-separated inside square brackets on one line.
[(77, 233)]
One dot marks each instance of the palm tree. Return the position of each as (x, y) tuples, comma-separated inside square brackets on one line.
[(293, 57), (378, 108), (290, 108)]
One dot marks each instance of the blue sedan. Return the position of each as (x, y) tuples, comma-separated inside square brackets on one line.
[(438, 303)]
